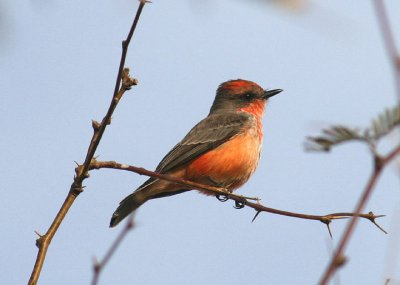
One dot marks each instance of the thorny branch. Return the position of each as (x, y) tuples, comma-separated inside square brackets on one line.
[(76, 188), (123, 83), (338, 258), (240, 201)]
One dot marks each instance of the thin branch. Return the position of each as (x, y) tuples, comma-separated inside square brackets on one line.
[(393, 154), (338, 256), (240, 201), (98, 266), (389, 42), (380, 163), (43, 242), (125, 45)]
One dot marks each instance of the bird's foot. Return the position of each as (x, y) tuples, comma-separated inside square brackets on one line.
[(240, 204), (222, 198)]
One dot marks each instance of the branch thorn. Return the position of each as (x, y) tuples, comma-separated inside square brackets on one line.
[(373, 220), (255, 216), (329, 230), (327, 221)]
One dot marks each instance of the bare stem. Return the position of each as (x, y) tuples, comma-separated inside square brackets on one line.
[(338, 258), (99, 266), (43, 242), (240, 201), (389, 41)]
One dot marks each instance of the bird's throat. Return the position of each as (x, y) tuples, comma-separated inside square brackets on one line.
[(256, 109)]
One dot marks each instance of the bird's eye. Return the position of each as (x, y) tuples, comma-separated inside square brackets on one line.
[(248, 96)]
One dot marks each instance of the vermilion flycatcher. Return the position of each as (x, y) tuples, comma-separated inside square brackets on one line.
[(221, 150)]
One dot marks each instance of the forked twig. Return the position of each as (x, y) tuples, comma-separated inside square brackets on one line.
[(338, 255), (380, 163)]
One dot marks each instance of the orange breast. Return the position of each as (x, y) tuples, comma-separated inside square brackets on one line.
[(231, 164)]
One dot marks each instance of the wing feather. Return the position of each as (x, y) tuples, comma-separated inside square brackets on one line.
[(206, 135)]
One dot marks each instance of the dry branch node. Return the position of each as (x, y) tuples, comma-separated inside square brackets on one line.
[(109, 120), (340, 261), (76, 188), (79, 169), (39, 242), (95, 125), (127, 80), (96, 265), (373, 218), (378, 162), (326, 220)]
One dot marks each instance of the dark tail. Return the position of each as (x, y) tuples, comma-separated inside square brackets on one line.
[(127, 206), (151, 189)]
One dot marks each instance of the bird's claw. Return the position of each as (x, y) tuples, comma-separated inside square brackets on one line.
[(239, 205), (222, 198)]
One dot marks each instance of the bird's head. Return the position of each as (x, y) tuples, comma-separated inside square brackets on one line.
[(241, 95)]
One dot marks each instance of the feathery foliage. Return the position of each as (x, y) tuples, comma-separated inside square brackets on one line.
[(381, 126), (385, 123)]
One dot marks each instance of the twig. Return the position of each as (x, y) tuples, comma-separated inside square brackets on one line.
[(380, 163), (98, 266), (43, 242), (389, 42), (139, 170), (240, 201), (338, 257)]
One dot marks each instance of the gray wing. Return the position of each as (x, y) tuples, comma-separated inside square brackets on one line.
[(206, 135)]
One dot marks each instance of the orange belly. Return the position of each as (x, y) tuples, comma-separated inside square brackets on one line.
[(230, 165)]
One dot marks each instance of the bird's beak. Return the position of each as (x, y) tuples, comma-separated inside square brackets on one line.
[(270, 93)]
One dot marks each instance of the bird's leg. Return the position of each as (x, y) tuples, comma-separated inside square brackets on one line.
[(225, 197), (220, 197)]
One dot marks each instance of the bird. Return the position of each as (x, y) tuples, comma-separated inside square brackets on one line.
[(222, 150)]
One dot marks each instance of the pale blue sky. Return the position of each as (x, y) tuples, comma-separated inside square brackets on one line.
[(58, 66)]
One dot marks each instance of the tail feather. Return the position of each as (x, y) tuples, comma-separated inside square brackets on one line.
[(127, 206), (151, 189)]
